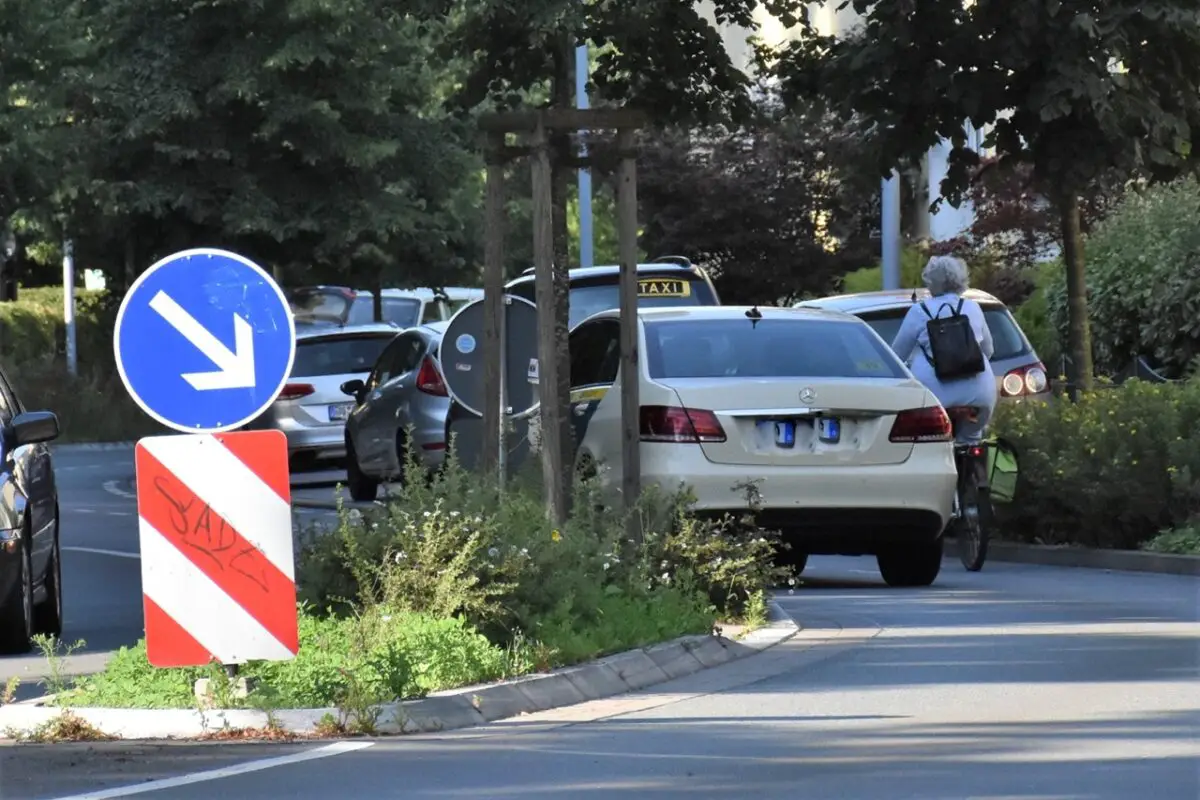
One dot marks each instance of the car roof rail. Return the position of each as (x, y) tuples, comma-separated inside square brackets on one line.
[(682, 261)]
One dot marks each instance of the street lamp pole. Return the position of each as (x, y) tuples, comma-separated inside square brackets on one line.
[(586, 254)]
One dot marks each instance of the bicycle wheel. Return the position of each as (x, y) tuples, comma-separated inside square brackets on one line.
[(974, 524)]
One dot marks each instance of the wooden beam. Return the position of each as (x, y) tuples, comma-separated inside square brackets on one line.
[(552, 415), (627, 219), (493, 309), (574, 119)]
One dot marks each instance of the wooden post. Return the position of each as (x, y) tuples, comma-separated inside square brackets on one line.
[(493, 307), (627, 211), (553, 469)]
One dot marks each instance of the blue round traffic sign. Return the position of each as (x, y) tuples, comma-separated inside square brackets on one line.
[(204, 341)]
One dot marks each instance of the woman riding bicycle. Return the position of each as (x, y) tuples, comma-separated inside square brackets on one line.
[(946, 279)]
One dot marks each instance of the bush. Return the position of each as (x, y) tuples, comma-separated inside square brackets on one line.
[(1111, 470), (1143, 265), (455, 583), (870, 279), (1183, 541), (456, 546), (1033, 316)]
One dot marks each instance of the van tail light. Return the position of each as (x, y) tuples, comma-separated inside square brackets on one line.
[(1025, 380), (682, 425), (429, 380), (294, 391), (922, 425)]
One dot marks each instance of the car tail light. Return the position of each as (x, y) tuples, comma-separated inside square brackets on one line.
[(922, 425), (1025, 380), (429, 380), (294, 391), (676, 424)]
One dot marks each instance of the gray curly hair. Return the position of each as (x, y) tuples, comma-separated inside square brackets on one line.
[(945, 275)]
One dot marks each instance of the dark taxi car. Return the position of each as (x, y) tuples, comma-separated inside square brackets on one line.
[(665, 282), (670, 281), (30, 559)]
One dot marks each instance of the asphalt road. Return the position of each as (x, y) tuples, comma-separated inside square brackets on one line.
[(102, 601), (1017, 682)]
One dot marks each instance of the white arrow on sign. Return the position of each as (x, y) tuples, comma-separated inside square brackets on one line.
[(235, 367)]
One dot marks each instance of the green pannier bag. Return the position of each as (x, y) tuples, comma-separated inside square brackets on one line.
[(1002, 470)]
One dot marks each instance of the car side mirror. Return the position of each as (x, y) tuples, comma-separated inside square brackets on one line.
[(354, 388), (33, 427)]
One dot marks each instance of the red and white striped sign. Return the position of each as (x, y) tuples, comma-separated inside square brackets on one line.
[(215, 522)]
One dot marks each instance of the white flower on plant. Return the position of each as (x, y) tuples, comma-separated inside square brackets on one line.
[(426, 513), (400, 556), (493, 552), (525, 552), (606, 565), (454, 514)]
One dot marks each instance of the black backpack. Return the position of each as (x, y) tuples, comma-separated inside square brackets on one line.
[(955, 350)]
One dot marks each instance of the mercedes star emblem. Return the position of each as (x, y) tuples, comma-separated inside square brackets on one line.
[(807, 395)]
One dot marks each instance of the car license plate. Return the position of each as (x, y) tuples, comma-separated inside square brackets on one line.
[(829, 429), (338, 412), (783, 430)]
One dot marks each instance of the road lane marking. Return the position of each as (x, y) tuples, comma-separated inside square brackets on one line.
[(114, 488), (335, 749), (102, 552)]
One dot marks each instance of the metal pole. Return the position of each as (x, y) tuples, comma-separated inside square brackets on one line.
[(890, 231), (586, 251), (502, 431), (69, 304)]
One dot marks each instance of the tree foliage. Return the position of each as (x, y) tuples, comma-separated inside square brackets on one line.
[(775, 208), (300, 133), (1144, 280), (1072, 88)]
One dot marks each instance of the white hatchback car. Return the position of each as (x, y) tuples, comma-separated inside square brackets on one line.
[(851, 454)]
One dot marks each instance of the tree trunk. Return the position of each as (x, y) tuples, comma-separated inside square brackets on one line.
[(563, 89), (1079, 336), (131, 271)]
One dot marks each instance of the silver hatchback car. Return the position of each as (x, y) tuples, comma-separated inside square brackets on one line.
[(404, 391), (312, 409), (1019, 372)]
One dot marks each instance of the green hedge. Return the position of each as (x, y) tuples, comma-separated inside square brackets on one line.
[(1143, 275), (1113, 470), (92, 406)]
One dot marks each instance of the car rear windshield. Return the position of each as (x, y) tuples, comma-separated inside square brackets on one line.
[(774, 348), (340, 355), (654, 291), (1006, 336), (329, 304), (402, 311)]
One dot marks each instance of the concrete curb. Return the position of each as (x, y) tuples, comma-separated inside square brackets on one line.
[(1088, 558), (444, 711), (90, 447)]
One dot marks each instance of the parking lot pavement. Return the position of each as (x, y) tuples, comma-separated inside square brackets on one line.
[(1017, 682)]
